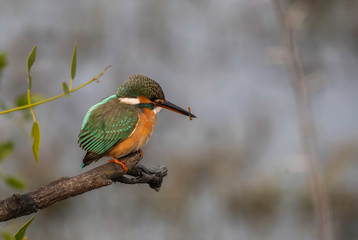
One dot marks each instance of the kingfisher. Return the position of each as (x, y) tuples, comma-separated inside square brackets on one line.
[(122, 123)]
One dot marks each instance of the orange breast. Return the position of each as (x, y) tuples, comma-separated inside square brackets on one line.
[(139, 137)]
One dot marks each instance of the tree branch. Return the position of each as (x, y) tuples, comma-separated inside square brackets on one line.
[(307, 127), (63, 188)]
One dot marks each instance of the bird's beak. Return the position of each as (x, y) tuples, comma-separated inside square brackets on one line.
[(172, 107)]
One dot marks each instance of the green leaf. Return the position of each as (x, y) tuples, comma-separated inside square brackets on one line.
[(73, 62), (36, 135), (3, 61), (21, 233), (30, 61), (5, 149), (65, 89), (14, 182), (6, 236)]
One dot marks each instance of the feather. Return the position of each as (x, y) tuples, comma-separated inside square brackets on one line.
[(105, 125)]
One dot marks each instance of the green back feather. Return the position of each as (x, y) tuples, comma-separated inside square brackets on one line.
[(94, 107), (106, 124)]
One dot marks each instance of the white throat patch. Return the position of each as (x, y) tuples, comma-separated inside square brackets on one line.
[(132, 101), (156, 110)]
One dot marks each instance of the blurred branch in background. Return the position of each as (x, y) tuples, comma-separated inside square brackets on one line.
[(288, 19), (63, 188)]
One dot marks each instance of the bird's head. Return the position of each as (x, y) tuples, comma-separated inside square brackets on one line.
[(139, 89)]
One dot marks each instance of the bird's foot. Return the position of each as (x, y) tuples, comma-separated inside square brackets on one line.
[(141, 153), (115, 160)]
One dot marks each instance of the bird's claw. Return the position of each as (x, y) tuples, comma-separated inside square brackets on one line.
[(141, 153), (115, 160)]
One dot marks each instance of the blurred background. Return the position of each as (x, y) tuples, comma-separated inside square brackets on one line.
[(235, 172)]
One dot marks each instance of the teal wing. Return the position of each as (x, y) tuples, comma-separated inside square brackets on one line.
[(106, 124)]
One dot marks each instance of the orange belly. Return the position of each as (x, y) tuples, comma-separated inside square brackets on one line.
[(139, 137)]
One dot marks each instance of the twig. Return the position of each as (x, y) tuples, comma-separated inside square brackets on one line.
[(58, 96), (63, 188), (307, 128)]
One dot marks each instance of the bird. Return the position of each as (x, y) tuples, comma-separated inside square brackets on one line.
[(122, 123)]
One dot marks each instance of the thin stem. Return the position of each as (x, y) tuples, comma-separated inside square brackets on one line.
[(71, 84), (53, 98), (29, 102)]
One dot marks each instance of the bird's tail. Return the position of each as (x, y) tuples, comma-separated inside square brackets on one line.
[(89, 158)]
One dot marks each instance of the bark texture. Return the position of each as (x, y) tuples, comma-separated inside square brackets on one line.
[(66, 187)]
